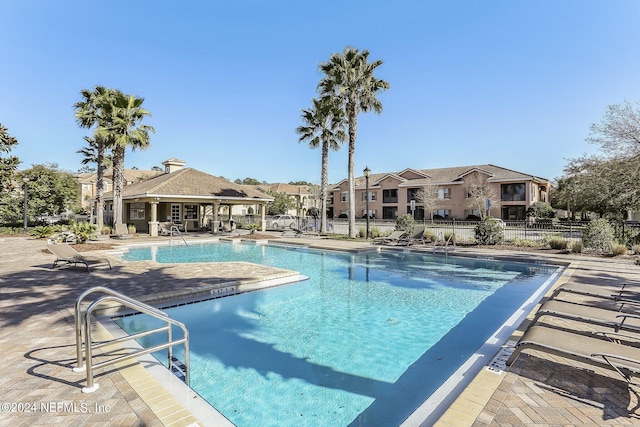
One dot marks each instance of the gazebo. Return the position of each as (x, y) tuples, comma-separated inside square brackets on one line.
[(186, 196)]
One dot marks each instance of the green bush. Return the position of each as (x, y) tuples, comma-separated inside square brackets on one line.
[(619, 249), (489, 232), (576, 247), (374, 232), (635, 249), (406, 223), (42, 231), (83, 231), (451, 236), (558, 243), (429, 236), (252, 227), (599, 236), (529, 243)]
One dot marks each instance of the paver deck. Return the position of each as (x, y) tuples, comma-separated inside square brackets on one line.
[(37, 342)]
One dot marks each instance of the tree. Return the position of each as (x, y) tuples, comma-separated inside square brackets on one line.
[(124, 130), (479, 190), (323, 127), (350, 79), (157, 169), (281, 203), (540, 210), (94, 111), (428, 196), (8, 165), (51, 191), (300, 182), (618, 133), (247, 181)]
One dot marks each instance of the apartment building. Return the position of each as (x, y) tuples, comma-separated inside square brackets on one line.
[(303, 195), (392, 194)]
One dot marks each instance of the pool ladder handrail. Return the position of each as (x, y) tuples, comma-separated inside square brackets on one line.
[(445, 245), (83, 328), (175, 227)]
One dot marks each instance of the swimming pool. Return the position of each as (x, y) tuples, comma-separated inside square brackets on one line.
[(363, 342)]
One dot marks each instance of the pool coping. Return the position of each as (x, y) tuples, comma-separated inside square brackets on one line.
[(448, 399)]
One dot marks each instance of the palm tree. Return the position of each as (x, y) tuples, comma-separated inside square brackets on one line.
[(124, 130), (95, 152), (93, 110), (324, 127), (350, 79)]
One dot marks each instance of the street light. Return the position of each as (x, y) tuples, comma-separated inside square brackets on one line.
[(367, 172), (25, 179)]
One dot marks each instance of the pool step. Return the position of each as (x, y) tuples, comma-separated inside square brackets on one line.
[(178, 368)]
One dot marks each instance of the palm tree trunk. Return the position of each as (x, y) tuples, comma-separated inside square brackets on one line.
[(324, 182), (100, 189), (118, 183), (353, 124)]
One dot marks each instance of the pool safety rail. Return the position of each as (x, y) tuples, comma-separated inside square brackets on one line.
[(444, 244), (175, 228), (83, 330)]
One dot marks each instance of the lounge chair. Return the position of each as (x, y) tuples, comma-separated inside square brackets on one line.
[(391, 238), (590, 314), (624, 292), (417, 237), (624, 359), (66, 255), (122, 232)]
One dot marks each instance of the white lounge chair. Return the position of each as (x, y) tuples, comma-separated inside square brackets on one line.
[(66, 255)]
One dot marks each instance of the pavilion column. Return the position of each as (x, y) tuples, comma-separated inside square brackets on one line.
[(215, 224), (153, 224), (263, 218)]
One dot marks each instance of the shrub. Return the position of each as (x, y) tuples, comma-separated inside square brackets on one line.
[(429, 236), (82, 230), (252, 227), (374, 232), (131, 228), (406, 223), (448, 235), (619, 249), (106, 230), (558, 243), (42, 231), (529, 243), (635, 249), (489, 232), (598, 236), (576, 247)]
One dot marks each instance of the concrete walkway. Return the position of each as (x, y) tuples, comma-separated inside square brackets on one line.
[(37, 342)]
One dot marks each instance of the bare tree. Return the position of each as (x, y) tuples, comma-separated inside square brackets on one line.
[(428, 196), (618, 133), (480, 190)]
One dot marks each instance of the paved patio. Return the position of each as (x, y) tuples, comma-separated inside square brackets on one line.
[(37, 340)]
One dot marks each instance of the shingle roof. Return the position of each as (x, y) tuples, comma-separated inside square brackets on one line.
[(446, 175), (190, 182)]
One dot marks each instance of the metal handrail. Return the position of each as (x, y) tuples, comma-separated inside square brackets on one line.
[(85, 326), (175, 227), (445, 246)]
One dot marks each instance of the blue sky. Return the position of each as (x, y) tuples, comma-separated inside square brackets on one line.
[(512, 83)]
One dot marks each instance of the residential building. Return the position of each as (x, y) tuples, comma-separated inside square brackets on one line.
[(303, 196), (392, 194), (87, 182)]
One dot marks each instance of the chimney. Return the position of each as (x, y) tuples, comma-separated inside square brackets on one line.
[(173, 165)]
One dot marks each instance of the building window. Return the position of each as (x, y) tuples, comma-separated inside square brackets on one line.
[(390, 212), (372, 196), (411, 193), (442, 213), (344, 197), (390, 196), (190, 211), (418, 212), (513, 192), (175, 213), (86, 187), (514, 212), (136, 211), (472, 214), (444, 193), (330, 199)]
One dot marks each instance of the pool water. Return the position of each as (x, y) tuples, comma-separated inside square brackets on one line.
[(363, 342)]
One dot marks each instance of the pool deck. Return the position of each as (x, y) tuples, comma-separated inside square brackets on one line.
[(38, 344)]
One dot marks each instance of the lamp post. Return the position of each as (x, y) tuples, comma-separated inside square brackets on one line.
[(25, 179), (367, 172)]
